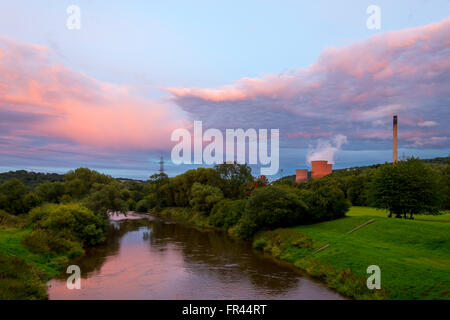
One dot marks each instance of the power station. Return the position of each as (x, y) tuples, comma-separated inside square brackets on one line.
[(320, 168)]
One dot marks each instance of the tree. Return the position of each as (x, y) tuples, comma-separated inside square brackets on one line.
[(50, 191), (142, 206), (326, 202), (79, 182), (226, 213), (357, 189), (12, 193), (159, 193), (445, 183), (30, 201), (269, 208), (235, 179), (180, 187), (407, 187), (204, 197), (105, 197)]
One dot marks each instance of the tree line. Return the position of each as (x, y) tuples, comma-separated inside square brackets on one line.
[(226, 196), (411, 186)]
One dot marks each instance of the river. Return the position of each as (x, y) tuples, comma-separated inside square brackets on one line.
[(145, 257)]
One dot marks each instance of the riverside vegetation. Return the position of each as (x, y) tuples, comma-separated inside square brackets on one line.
[(43, 225)]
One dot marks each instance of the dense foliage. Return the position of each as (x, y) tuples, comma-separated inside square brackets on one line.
[(269, 208), (64, 228), (12, 194), (326, 202), (408, 187), (226, 213), (204, 197)]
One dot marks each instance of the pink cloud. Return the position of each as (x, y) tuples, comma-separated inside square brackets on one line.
[(348, 89), (77, 107), (375, 56)]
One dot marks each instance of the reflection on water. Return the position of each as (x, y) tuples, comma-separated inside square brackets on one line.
[(154, 259)]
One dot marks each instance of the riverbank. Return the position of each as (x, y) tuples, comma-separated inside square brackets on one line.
[(29, 257), (23, 273), (412, 255)]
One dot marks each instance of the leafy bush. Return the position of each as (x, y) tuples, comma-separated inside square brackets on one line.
[(74, 219), (325, 203), (142, 206), (269, 208), (20, 280), (50, 191), (43, 242), (10, 220), (204, 197), (226, 213), (260, 243)]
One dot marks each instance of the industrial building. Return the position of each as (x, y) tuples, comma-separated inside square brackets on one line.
[(320, 168)]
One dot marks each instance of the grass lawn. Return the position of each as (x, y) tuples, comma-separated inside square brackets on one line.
[(413, 255)]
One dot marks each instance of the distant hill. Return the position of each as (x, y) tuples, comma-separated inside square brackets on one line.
[(433, 161), (31, 179), (439, 160)]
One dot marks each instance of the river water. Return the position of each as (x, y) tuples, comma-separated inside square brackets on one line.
[(149, 258)]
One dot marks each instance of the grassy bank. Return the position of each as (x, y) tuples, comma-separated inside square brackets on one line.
[(31, 253), (23, 274), (413, 255)]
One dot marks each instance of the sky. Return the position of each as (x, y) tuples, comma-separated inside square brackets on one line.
[(108, 95)]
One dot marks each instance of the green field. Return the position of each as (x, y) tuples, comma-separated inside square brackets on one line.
[(22, 273), (413, 255), (367, 211)]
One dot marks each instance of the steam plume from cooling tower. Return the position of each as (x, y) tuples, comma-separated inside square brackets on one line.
[(326, 149)]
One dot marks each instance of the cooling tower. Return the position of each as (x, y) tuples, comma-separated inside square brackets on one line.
[(301, 175), (320, 168)]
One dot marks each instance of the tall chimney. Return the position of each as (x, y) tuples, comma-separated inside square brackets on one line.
[(394, 153)]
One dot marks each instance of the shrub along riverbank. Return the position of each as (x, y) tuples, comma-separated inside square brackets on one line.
[(22, 273), (35, 247), (50, 220)]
